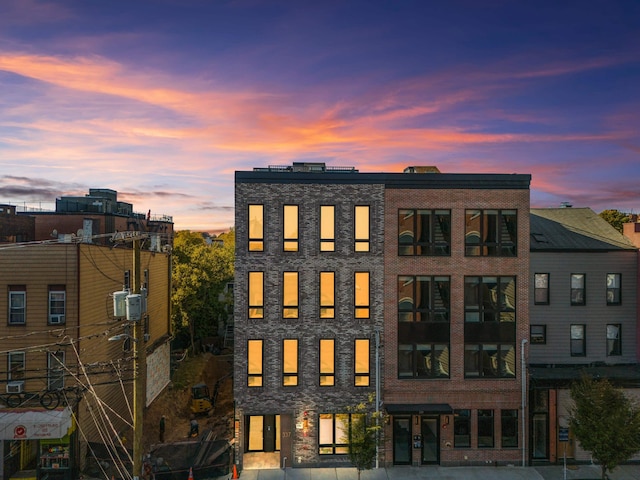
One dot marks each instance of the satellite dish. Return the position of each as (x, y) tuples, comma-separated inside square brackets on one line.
[(80, 232), (54, 234)]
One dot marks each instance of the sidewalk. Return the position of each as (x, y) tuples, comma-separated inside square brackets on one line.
[(554, 472)]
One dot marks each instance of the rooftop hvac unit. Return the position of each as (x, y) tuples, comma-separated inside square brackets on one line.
[(15, 387), (134, 307), (119, 303)]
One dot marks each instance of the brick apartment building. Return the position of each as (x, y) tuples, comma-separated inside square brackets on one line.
[(420, 275)]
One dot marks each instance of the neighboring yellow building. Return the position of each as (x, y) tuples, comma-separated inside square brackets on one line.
[(66, 389)]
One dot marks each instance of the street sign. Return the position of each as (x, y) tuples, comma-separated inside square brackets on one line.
[(563, 434)]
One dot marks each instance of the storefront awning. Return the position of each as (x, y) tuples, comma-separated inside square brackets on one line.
[(19, 424), (418, 408)]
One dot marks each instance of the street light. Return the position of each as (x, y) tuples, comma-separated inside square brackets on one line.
[(122, 336)]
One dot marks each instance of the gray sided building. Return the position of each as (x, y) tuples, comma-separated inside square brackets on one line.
[(324, 258), (583, 317)]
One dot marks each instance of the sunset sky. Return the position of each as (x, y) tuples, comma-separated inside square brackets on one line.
[(162, 100)]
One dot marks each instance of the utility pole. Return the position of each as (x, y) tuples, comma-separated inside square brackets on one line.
[(139, 369), (139, 353)]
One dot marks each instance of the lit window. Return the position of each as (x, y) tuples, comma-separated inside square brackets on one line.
[(614, 342), (327, 362), (361, 367), (327, 295), (491, 233), (256, 294), (256, 228), (362, 228), (254, 363), (327, 228), (613, 289), (362, 295), (17, 305), (55, 377), (334, 431), (541, 288), (290, 362), (290, 231), (57, 302), (424, 232), (578, 341), (578, 289), (290, 295)]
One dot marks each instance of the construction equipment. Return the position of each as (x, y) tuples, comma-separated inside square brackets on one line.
[(201, 402)]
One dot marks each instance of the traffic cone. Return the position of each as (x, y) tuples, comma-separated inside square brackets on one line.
[(190, 473), (235, 471)]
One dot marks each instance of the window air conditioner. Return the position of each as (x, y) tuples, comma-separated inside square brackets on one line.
[(56, 319), (15, 387)]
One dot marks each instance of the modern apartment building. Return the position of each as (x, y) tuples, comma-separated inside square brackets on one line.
[(583, 319), (342, 274), (66, 387)]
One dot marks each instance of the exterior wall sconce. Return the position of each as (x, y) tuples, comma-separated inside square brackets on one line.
[(446, 421)]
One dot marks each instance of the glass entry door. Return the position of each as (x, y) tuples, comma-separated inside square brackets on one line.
[(430, 430), (402, 441)]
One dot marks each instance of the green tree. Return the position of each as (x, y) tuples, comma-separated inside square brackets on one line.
[(200, 273), (615, 218), (605, 422), (366, 425)]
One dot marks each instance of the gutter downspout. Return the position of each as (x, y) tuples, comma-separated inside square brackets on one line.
[(377, 394), (523, 369)]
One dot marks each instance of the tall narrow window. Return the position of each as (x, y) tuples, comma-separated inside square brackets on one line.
[(462, 428), (290, 362), (361, 367), (362, 295), (327, 362), (541, 288), (290, 295), (57, 303), (327, 294), (15, 365), (290, 230), (491, 233), (424, 232), (509, 428), (485, 429), (55, 375), (256, 294), (327, 228), (361, 229), (613, 289), (256, 228), (17, 304), (254, 363), (614, 342), (577, 289), (578, 341)]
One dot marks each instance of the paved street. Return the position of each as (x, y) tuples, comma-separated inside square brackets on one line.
[(574, 472)]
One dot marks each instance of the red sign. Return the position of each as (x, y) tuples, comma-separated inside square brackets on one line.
[(20, 431)]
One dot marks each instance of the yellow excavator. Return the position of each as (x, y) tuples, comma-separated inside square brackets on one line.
[(202, 402), (200, 399)]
